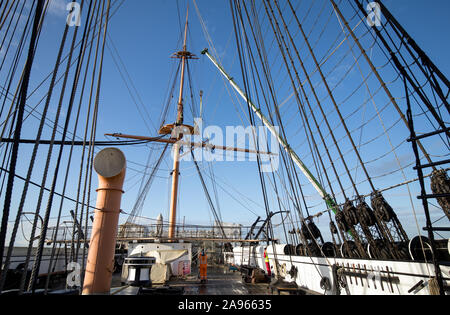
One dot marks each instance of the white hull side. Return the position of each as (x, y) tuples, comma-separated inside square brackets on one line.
[(59, 263), (364, 277)]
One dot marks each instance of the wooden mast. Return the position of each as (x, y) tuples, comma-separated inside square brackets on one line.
[(176, 148), (177, 132)]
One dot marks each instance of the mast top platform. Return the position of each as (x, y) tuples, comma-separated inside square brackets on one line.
[(179, 129), (184, 54)]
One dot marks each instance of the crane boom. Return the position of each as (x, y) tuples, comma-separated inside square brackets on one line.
[(328, 199)]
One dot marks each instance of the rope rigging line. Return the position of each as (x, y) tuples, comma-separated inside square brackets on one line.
[(13, 68), (422, 187), (33, 109), (77, 203), (38, 258), (5, 51), (75, 249), (193, 107), (358, 108), (170, 96), (71, 102), (275, 187), (384, 127), (214, 187), (5, 9), (323, 143), (281, 41), (4, 17), (208, 197), (261, 51), (30, 170), (401, 70), (238, 35), (328, 54), (426, 64), (303, 221), (301, 108), (395, 63), (137, 208), (15, 149), (128, 77), (387, 91), (335, 104), (89, 166), (336, 66)]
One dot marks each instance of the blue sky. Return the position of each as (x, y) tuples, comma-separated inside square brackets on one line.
[(146, 34)]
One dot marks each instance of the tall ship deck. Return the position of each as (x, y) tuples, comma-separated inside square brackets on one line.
[(234, 148)]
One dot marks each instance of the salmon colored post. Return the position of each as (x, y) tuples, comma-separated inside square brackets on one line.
[(110, 165), (203, 259)]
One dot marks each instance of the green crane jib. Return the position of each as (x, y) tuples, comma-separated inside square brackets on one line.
[(328, 199)]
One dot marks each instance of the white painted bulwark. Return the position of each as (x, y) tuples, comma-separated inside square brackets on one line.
[(363, 277), (58, 262)]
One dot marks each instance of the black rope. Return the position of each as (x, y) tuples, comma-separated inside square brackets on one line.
[(21, 109), (423, 193), (72, 99), (208, 196), (38, 259), (301, 108), (13, 69), (390, 56), (73, 251), (79, 143), (95, 118), (13, 32), (281, 40), (137, 208), (237, 15), (34, 154)]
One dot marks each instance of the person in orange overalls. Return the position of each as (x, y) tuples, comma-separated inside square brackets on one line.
[(266, 259), (203, 263)]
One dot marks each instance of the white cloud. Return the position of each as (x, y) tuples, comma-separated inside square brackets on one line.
[(58, 8)]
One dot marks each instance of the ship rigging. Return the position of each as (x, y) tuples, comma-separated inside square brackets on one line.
[(357, 111)]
